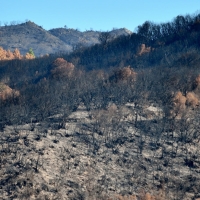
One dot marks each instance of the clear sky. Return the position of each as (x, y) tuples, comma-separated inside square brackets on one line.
[(94, 14)]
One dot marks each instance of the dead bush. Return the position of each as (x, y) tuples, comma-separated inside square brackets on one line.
[(112, 109), (6, 92), (197, 83), (143, 49), (9, 55), (179, 101), (177, 106), (16, 54), (29, 56), (124, 74), (191, 100), (3, 54)]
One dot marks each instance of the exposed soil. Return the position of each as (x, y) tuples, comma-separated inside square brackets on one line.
[(97, 157)]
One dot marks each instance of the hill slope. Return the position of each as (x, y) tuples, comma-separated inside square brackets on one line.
[(29, 35), (118, 120), (74, 37)]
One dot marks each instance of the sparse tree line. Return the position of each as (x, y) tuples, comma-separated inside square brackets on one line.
[(8, 55), (65, 85), (160, 42), (170, 31), (12, 23)]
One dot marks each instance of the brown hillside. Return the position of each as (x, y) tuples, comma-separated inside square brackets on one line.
[(29, 35)]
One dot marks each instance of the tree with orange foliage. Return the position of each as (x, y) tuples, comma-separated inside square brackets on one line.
[(17, 54), (2, 54), (179, 100), (62, 68), (9, 55), (29, 56), (124, 74), (6, 92), (143, 49)]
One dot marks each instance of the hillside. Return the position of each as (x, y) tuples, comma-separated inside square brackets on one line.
[(84, 160), (74, 37), (117, 120), (29, 35)]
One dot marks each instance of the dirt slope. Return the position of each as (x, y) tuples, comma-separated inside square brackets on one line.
[(79, 161)]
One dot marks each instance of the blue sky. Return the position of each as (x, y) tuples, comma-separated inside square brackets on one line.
[(95, 14)]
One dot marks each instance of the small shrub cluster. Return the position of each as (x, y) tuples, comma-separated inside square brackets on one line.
[(143, 49), (180, 103), (124, 74), (190, 100), (179, 100)]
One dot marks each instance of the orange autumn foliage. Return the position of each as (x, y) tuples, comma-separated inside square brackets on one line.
[(147, 196), (143, 49), (124, 74), (6, 92), (29, 56), (181, 103), (3, 54), (16, 54), (8, 55), (179, 100), (62, 68), (191, 99)]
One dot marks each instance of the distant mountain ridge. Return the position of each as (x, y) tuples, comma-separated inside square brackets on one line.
[(86, 38), (29, 35)]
